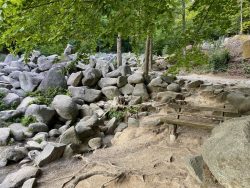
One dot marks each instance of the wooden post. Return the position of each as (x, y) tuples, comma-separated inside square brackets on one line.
[(146, 63), (119, 50)]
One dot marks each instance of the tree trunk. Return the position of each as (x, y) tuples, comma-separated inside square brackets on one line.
[(184, 24), (241, 17), (146, 63), (119, 50), (150, 53)]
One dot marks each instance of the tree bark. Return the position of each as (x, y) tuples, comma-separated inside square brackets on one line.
[(146, 63), (119, 50), (241, 17), (184, 23), (150, 53)]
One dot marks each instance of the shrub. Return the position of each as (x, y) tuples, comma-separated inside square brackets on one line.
[(26, 120), (46, 97), (118, 114), (218, 60)]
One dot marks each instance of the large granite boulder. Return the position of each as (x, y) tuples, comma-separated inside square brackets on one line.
[(53, 79), (227, 153), (111, 92), (28, 81), (65, 107), (136, 78), (4, 136), (91, 77), (141, 90)]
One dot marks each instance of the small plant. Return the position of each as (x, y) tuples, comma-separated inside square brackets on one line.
[(218, 60), (46, 97), (26, 120), (39, 140), (118, 114)]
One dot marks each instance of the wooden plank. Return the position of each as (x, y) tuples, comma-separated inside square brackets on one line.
[(187, 123), (203, 108), (201, 116)]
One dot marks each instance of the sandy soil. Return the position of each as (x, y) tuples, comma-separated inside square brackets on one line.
[(142, 158)]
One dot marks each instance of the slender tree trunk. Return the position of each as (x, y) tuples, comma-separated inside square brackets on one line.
[(146, 63), (241, 17), (184, 23), (119, 50), (150, 53)]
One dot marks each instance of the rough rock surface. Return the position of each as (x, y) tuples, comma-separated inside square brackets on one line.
[(227, 152)]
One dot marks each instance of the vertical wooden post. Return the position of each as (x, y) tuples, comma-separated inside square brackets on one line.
[(119, 50), (150, 53), (146, 63)]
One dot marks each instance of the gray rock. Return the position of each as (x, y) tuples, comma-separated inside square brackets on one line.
[(65, 107), (28, 82), (174, 87), (239, 101), (114, 74), (121, 127), (26, 102), (95, 143), (91, 77), (10, 58), (227, 152), (54, 133), (141, 90), (42, 113), (88, 95), (30, 183), (38, 127), (17, 131), (111, 125), (70, 137), (16, 179), (105, 82), (110, 92), (158, 82), (10, 114), (33, 154), (135, 100), (103, 66), (45, 63), (33, 145), (34, 56), (50, 153), (132, 122), (75, 79), (194, 165), (12, 155), (125, 70), (168, 78), (40, 137), (122, 81), (68, 50), (11, 99), (194, 84), (86, 111), (4, 91), (136, 78), (95, 108), (127, 89), (53, 79), (4, 136), (169, 95)]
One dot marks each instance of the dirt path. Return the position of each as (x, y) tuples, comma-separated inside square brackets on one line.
[(144, 157), (219, 79)]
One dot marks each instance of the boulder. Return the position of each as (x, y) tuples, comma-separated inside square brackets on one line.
[(194, 164), (16, 179), (28, 82), (26, 102), (158, 82), (246, 49), (111, 125), (50, 153), (141, 90), (11, 99), (88, 95), (38, 127), (45, 63), (174, 87), (240, 101), (42, 113), (10, 114), (4, 136), (194, 84), (114, 74), (122, 81), (65, 107), (227, 152), (127, 89), (75, 79), (54, 133), (135, 100), (121, 127), (17, 131), (70, 137), (30, 183), (86, 111), (9, 58), (53, 79), (68, 50), (34, 56), (136, 78), (40, 137), (91, 77), (169, 95), (95, 143), (132, 122), (111, 92), (33, 145), (125, 70), (105, 82), (168, 78), (12, 155)]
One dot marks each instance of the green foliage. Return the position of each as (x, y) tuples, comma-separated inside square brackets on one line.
[(246, 67), (121, 113), (218, 60), (26, 120), (46, 97), (194, 58)]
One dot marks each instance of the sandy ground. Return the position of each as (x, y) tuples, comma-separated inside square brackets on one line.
[(219, 79), (144, 158)]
